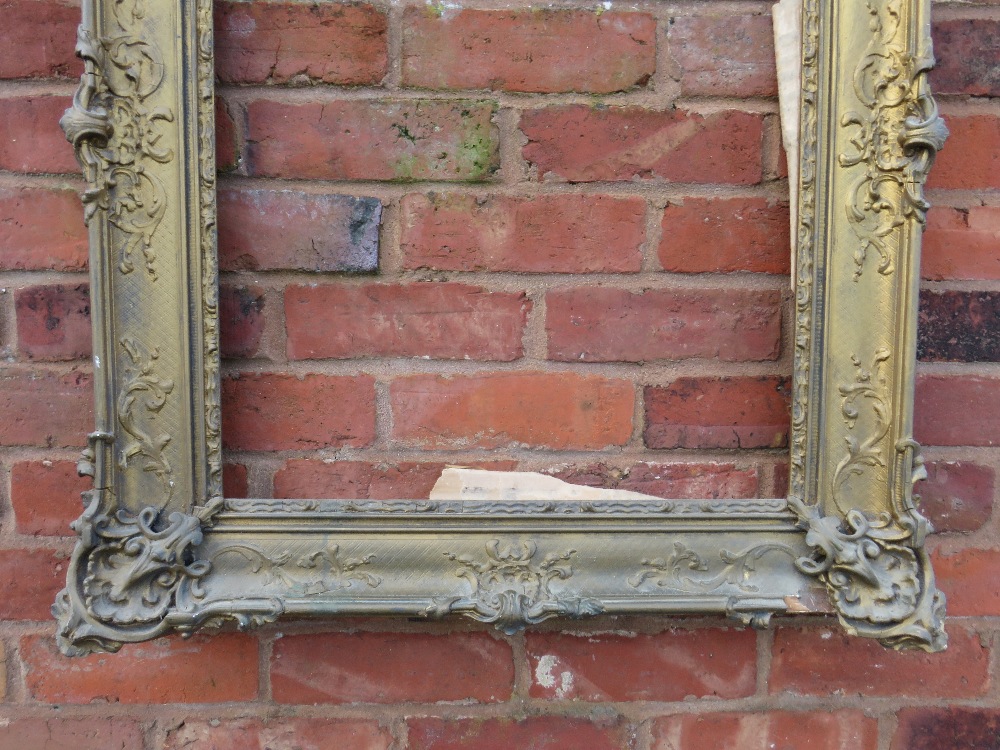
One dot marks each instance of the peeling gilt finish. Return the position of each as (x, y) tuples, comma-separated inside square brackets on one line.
[(161, 551)]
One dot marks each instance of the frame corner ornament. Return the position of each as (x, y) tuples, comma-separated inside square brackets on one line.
[(878, 576), (160, 551)]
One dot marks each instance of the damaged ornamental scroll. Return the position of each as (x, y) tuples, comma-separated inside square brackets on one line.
[(161, 551)]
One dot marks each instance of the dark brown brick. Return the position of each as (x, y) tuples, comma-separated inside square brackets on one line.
[(951, 728), (959, 327), (241, 320)]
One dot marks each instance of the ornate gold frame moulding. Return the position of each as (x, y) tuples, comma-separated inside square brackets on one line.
[(161, 550)]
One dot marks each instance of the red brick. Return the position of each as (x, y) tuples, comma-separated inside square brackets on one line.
[(53, 322), (667, 480), (317, 232), (962, 243), (234, 480), (29, 582), (968, 57), (391, 668), (544, 234), (40, 39), (668, 666), (724, 55), (587, 324), (41, 229), (278, 42), (302, 478), (30, 138), (271, 412), (969, 580), (241, 320), (734, 412), (949, 410), (373, 140), (279, 733), (71, 734), (553, 410), (168, 670), (535, 733), (534, 50), (971, 158), (406, 480), (774, 730), (584, 144), (821, 661), (952, 727), (436, 320), (712, 235), (46, 496), (957, 495), (227, 148), (44, 408)]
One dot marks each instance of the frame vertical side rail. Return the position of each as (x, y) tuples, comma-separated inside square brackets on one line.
[(867, 537), (139, 133)]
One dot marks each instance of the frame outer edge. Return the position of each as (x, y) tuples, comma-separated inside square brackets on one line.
[(155, 455)]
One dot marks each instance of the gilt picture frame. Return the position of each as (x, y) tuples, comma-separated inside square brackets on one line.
[(162, 551)]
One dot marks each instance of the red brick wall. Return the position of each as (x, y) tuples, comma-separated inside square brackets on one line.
[(571, 276)]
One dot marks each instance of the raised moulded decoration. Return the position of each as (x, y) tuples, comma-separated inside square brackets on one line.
[(161, 551)]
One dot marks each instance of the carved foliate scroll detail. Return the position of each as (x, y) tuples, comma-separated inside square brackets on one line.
[(140, 569), (878, 576), (209, 264), (117, 133), (142, 396), (685, 570), (511, 589), (130, 571), (869, 392), (895, 137), (805, 249), (311, 574)]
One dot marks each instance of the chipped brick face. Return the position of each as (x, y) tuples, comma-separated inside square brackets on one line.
[(508, 235)]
